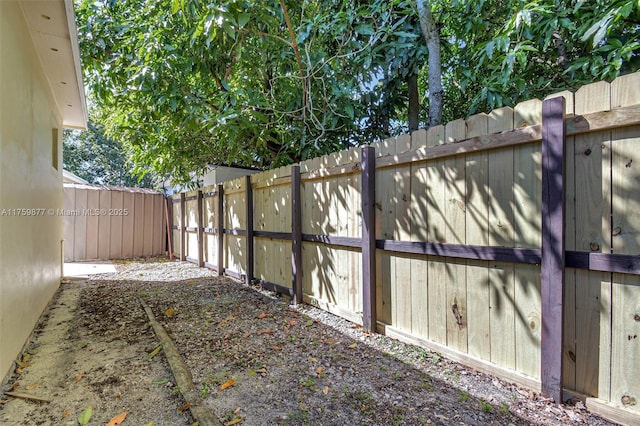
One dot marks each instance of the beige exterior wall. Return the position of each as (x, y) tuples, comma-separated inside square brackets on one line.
[(30, 247)]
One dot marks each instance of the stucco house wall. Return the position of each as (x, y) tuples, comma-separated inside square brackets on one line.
[(33, 113)]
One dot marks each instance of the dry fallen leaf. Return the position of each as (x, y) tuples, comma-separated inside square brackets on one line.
[(312, 359), (169, 312), (291, 323), (117, 419), (237, 410), (18, 370), (319, 370), (235, 421), (262, 315), (325, 390), (66, 413), (79, 377), (227, 384), (15, 385), (330, 341), (266, 331), (185, 407), (276, 348), (32, 386)]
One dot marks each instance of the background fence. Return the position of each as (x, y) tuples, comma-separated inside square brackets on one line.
[(438, 237), (103, 222)]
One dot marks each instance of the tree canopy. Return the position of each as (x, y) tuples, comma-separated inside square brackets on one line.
[(101, 160), (190, 83)]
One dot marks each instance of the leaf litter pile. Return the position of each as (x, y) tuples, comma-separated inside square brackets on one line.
[(251, 358)]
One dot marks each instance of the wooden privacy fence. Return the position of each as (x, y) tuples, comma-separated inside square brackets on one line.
[(509, 241), (105, 222)]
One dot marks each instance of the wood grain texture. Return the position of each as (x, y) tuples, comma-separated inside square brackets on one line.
[(501, 233), (592, 158), (625, 231), (455, 210), (527, 228)]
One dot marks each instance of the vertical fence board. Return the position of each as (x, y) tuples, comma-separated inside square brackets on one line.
[(455, 229), (139, 221), (418, 232), (183, 224), (501, 233), (625, 297), (200, 224), (93, 202), (477, 233), (401, 292), (128, 228), (385, 224), (260, 209), (312, 276), (438, 309), (354, 226), (527, 225), (80, 225), (149, 212), (104, 226), (69, 225), (592, 211), (296, 235), (339, 194), (115, 243)]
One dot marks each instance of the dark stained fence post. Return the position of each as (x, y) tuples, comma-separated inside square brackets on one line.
[(183, 227), (369, 318), (296, 235), (200, 231), (249, 216), (220, 224), (553, 245)]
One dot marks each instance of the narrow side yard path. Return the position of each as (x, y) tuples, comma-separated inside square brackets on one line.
[(254, 361)]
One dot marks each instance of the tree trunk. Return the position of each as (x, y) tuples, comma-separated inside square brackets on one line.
[(431, 35), (414, 103)]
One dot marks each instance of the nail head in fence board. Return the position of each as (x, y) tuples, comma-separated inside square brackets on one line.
[(296, 235), (220, 219), (553, 250), (368, 239), (183, 224), (200, 231), (249, 219)]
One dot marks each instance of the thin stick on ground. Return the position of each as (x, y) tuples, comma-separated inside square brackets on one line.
[(181, 373)]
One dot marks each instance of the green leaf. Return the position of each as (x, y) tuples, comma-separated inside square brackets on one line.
[(489, 49), (243, 19), (84, 418), (350, 111), (175, 6), (229, 29), (598, 30)]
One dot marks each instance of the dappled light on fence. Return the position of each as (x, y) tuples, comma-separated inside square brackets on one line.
[(462, 216)]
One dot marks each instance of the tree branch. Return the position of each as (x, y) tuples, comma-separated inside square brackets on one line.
[(294, 45)]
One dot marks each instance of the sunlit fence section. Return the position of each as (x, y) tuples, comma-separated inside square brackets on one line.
[(509, 241)]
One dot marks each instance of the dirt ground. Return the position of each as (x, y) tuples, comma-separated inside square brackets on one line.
[(254, 360)]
